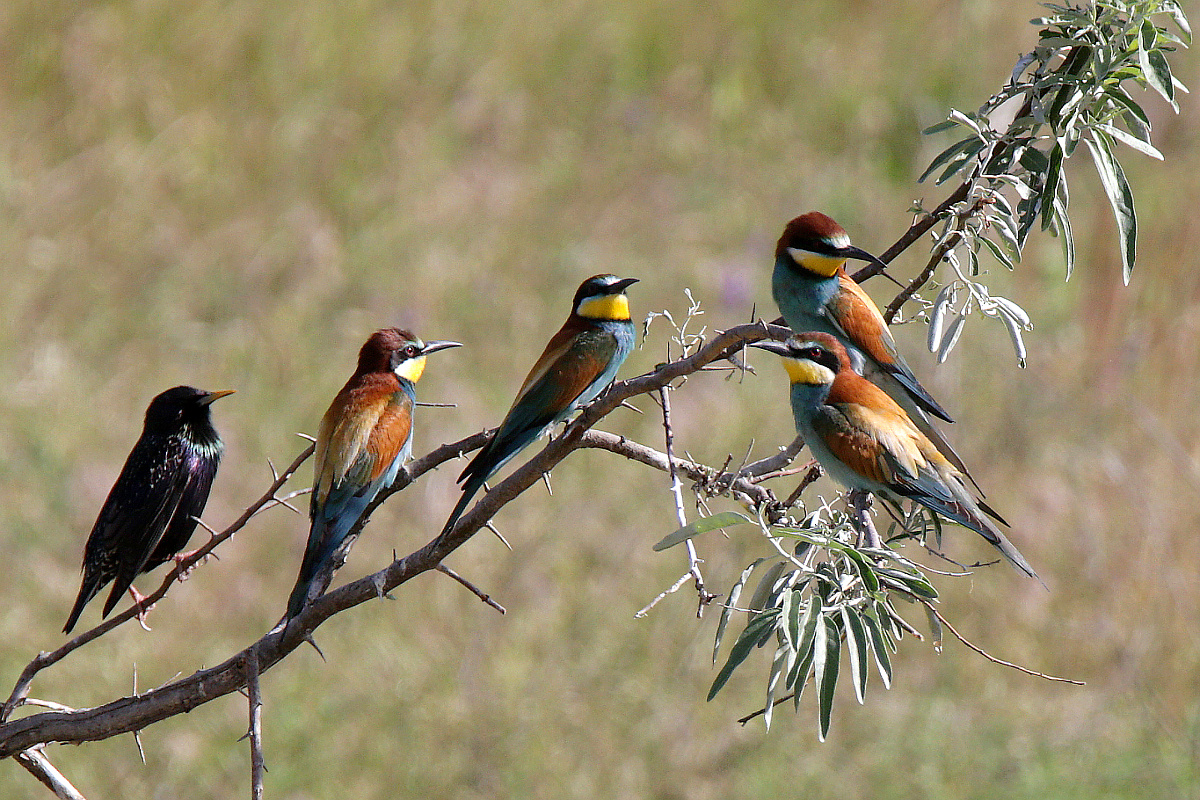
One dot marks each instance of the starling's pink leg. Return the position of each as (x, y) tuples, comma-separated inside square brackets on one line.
[(138, 600)]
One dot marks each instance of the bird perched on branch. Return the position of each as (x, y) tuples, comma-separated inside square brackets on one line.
[(153, 507), (364, 440), (814, 293), (579, 362), (864, 440)]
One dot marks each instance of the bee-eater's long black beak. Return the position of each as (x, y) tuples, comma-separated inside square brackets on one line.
[(622, 285), (433, 347), (212, 397), (772, 346), (850, 251)]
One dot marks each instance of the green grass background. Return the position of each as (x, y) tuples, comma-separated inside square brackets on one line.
[(234, 194)]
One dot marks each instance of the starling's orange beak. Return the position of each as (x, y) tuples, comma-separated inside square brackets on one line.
[(213, 396)]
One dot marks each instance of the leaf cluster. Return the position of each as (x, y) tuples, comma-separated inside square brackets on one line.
[(1077, 84)]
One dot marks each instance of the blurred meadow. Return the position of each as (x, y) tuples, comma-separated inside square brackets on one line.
[(235, 194)]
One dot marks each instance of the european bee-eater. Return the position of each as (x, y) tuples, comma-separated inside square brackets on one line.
[(864, 440), (364, 439), (579, 362), (152, 508), (813, 292)]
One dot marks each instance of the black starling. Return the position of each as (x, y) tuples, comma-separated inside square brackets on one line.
[(151, 510)]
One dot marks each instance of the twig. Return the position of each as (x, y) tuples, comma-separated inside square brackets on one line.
[(254, 694), (992, 658), (810, 477), (947, 244), (486, 598), (40, 767), (859, 502), (681, 516), (762, 711), (675, 587)]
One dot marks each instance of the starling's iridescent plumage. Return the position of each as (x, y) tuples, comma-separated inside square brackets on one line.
[(364, 440), (152, 509), (579, 362), (864, 440), (814, 293)]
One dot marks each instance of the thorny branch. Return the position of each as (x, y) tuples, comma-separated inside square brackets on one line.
[(127, 714)]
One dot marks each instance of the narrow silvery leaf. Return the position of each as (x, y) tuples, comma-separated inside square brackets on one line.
[(734, 594), (962, 160), (954, 150), (798, 676), (1023, 62), (856, 646), (1050, 187), (1161, 80), (1068, 236), (935, 628), (1155, 69), (792, 614), (996, 252), (1132, 141), (804, 644), (762, 624), (827, 675), (1120, 96), (951, 338), (1014, 333), (1015, 311), (878, 647), (944, 125), (937, 316), (1181, 21), (963, 119), (766, 586), (778, 667), (1120, 197), (724, 519), (786, 607)]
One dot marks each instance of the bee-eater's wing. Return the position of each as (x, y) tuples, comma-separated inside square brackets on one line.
[(875, 444), (940, 487), (853, 312), (578, 362), (881, 444), (896, 390), (576, 365)]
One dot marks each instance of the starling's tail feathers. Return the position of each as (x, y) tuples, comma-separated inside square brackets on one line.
[(91, 585)]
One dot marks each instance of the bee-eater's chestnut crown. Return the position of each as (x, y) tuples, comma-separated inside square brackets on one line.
[(378, 351), (814, 232), (399, 351)]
